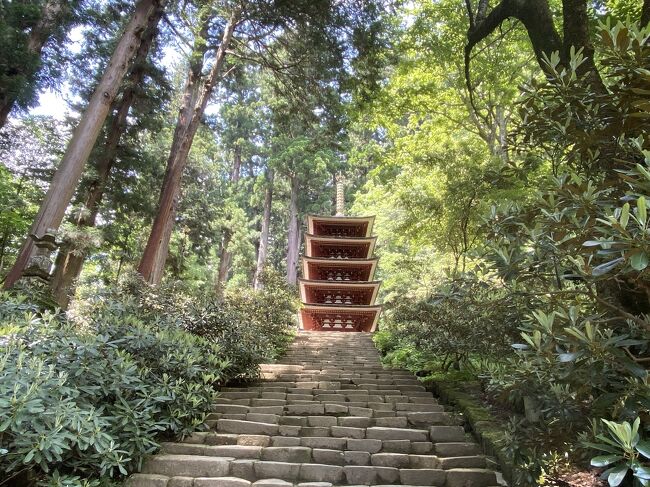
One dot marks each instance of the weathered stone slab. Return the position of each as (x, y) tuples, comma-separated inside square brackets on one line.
[(272, 483), (221, 482), (445, 434), (292, 454), (179, 481), (475, 477), (187, 465), (324, 442), (354, 421), (397, 446), (246, 427), (277, 470), (314, 472), (356, 458), (346, 432), (370, 446), (146, 480), (397, 460), (473, 461), (456, 449), (424, 461), (254, 440), (397, 434), (327, 456)]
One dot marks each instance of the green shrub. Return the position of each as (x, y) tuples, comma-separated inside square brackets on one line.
[(273, 308), (91, 401), (580, 253), (574, 367), (251, 327), (466, 319)]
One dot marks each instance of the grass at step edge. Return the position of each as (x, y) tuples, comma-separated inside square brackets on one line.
[(487, 429)]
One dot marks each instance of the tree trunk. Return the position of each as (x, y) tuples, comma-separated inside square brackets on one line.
[(236, 165), (51, 14), (69, 172), (263, 249), (225, 259), (293, 234), (68, 265), (157, 248), (6, 104), (501, 122)]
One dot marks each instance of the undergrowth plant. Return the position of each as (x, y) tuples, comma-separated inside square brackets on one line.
[(627, 454), (85, 396)]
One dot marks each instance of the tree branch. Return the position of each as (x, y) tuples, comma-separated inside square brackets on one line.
[(639, 321), (537, 19)]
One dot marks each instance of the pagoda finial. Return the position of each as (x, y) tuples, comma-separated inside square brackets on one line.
[(340, 194)]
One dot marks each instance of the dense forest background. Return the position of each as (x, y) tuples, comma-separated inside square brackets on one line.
[(167, 153)]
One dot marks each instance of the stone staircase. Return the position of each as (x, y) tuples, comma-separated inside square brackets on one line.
[(327, 414)]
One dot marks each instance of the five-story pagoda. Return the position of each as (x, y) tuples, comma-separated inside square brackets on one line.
[(337, 289)]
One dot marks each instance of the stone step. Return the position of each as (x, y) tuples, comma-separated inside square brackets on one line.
[(243, 426), (340, 427), (328, 456), (326, 375), (445, 447), (202, 467), (365, 384), (416, 412), (327, 414), (377, 395)]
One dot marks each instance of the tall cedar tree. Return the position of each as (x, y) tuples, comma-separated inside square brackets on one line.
[(263, 249), (68, 174), (69, 262), (196, 95), (261, 41)]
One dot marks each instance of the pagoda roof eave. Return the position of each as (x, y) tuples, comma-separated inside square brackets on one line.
[(375, 308), (327, 260), (303, 284), (372, 263), (369, 220), (311, 239), (335, 218), (312, 236), (343, 307), (317, 282)]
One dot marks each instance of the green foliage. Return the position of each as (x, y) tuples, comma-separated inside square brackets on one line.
[(563, 243), (573, 367), (250, 327), (84, 397), (28, 152), (625, 452), (91, 398), (25, 70), (467, 318)]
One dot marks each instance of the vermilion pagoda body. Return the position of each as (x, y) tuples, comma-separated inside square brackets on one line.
[(337, 288)]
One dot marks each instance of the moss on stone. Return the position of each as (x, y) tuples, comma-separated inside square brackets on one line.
[(487, 428)]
